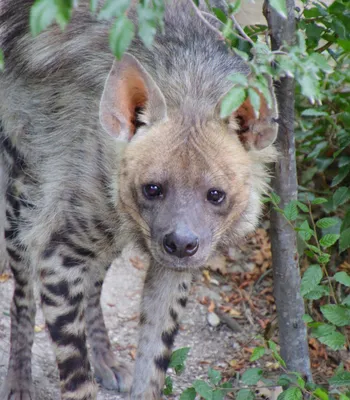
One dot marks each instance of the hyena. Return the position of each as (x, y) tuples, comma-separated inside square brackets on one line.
[(99, 153)]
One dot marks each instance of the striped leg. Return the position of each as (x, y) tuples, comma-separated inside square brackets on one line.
[(3, 253), (164, 299), (63, 284), (108, 372), (18, 383)]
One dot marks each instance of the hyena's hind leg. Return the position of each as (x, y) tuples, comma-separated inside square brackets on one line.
[(108, 372), (63, 266), (18, 383)]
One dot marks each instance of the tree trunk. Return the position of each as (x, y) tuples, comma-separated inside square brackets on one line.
[(289, 303)]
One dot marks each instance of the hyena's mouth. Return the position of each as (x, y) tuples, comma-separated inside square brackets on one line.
[(164, 259)]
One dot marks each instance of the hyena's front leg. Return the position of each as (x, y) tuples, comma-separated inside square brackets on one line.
[(164, 299), (108, 372), (18, 383), (63, 270)]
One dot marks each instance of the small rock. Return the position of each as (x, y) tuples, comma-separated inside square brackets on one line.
[(249, 267), (213, 319)]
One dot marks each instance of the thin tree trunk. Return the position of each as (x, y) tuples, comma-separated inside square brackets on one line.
[(289, 303)]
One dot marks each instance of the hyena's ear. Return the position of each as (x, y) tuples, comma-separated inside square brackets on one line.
[(256, 131), (129, 90)]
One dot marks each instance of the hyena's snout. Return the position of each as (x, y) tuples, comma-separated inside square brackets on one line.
[(181, 243)]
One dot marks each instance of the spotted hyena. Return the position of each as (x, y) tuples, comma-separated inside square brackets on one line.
[(98, 153)]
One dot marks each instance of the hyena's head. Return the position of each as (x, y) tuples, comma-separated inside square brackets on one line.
[(187, 184)]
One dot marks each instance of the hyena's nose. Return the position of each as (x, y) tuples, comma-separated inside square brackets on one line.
[(181, 244)]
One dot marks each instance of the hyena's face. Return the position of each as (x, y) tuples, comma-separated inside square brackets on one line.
[(184, 187)]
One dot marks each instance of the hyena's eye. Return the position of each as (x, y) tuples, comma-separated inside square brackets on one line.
[(215, 196), (152, 191)]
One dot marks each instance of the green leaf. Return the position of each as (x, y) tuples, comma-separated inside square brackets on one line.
[(2, 63), (203, 389), (272, 346), (252, 376), (343, 172), (304, 231), (148, 19), (218, 394), (292, 393), (311, 278), (258, 352), (44, 12), (307, 318), (226, 385), (346, 301), (335, 340), (238, 79), (302, 206), (314, 249), (321, 329), (255, 101), (275, 198), (328, 240), (319, 200), (346, 221), (344, 241), (291, 211), (326, 222), (341, 196), (280, 7), (179, 357), (188, 394), (112, 8), (311, 112), (338, 315), (286, 380), (214, 376), (342, 277), (279, 359), (168, 389), (341, 379), (232, 101), (245, 394), (317, 292), (308, 85), (320, 393), (323, 258), (301, 382), (121, 36)]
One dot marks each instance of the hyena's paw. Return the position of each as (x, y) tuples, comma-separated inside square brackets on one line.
[(111, 374), (17, 391)]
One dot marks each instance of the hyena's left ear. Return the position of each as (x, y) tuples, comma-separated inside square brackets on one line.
[(257, 132), (129, 90)]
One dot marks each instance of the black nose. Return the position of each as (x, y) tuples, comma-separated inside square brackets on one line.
[(181, 245)]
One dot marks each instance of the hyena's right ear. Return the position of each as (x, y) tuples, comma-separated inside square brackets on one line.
[(128, 90)]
